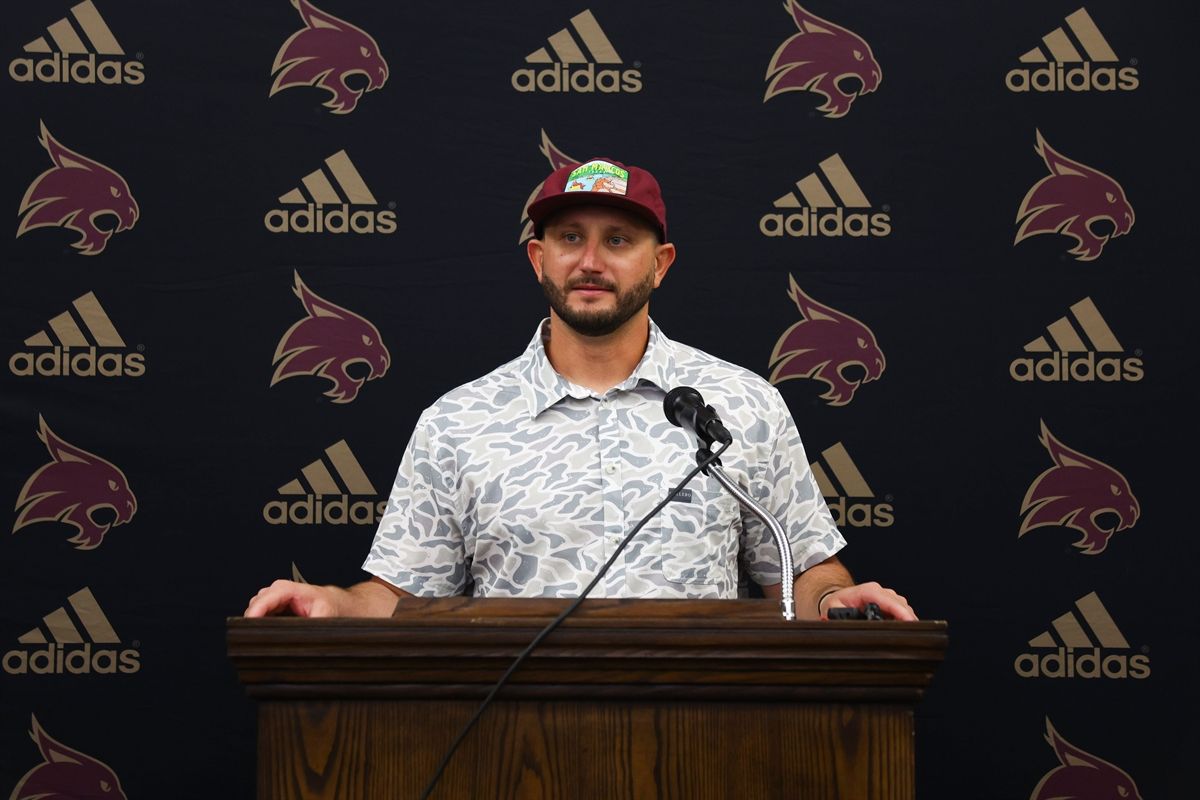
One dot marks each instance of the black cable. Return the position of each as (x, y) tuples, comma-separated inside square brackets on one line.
[(704, 462)]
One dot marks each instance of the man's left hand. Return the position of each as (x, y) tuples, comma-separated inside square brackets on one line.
[(890, 603)]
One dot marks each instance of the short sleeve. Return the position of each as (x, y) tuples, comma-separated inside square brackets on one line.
[(784, 484), (418, 546)]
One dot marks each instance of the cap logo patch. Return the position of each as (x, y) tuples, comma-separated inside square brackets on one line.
[(598, 176)]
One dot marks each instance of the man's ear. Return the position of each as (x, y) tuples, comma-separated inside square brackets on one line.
[(536, 252), (664, 257)]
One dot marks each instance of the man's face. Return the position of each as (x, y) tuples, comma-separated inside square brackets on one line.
[(597, 267)]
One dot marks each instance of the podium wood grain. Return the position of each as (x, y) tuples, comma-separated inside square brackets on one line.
[(630, 699)]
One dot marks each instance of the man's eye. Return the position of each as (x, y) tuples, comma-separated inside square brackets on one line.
[(570, 237), (616, 241)]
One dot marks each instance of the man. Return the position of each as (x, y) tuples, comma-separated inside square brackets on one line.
[(523, 482)]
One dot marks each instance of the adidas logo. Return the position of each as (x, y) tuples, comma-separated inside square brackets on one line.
[(77, 632), (1081, 645), (806, 215), (78, 39), (1069, 358), (319, 207), (850, 486), (1060, 50), (71, 352), (564, 76), (325, 500)]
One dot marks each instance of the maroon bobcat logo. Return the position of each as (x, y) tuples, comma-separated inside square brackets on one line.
[(1082, 776), (65, 774), (324, 53), (72, 488), (326, 343), (557, 158), (1074, 493), (1070, 200), (74, 194), (818, 59), (822, 346)]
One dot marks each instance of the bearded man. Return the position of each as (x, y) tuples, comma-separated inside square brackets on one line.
[(524, 482)]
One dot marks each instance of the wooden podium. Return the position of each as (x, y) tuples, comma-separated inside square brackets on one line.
[(634, 699)]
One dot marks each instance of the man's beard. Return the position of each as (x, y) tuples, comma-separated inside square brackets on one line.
[(598, 322)]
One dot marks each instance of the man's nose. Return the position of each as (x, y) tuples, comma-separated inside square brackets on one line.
[(589, 259)]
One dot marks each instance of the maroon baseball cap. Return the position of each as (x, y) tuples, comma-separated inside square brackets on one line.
[(604, 182)]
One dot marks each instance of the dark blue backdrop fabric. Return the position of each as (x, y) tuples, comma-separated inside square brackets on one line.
[(995, 196)]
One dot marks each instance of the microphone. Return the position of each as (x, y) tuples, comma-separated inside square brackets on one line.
[(685, 408)]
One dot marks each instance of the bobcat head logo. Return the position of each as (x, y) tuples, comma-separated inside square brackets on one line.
[(1074, 493), (74, 194), (819, 59), (324, 53), (65, 774), (1081, 775), (557, 158), (326, 343), (72, 488), (822, 346), (1070, 200)]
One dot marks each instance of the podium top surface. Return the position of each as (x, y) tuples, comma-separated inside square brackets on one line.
[(689, 649)]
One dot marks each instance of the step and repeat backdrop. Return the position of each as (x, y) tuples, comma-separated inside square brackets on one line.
[(250, 242)]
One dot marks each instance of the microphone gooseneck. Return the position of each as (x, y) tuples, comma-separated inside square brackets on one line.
[(684, 407)]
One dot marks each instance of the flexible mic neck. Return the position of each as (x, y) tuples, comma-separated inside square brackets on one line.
[(685, 407)]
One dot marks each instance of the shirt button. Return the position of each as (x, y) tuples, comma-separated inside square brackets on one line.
[(610, 467)]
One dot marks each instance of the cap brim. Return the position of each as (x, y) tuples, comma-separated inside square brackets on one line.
[(539, 210)]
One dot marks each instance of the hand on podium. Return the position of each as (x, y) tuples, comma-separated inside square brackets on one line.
[(829, 585), (858, 596), (373, 598)]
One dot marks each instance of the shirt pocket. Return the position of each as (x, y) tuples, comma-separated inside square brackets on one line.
[(698, 533)]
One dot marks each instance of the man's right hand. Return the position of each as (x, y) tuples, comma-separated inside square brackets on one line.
[(372, 598)]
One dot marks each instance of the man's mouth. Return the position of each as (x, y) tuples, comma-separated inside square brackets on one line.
[(590, 288)]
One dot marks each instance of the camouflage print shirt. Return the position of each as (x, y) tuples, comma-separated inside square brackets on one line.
[(523, 484)]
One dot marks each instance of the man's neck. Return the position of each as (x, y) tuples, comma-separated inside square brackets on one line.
[(597, 362)]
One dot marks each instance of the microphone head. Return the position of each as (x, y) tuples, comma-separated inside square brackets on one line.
[(680, 405)]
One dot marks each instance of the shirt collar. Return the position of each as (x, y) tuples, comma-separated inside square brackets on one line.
[(542, 386)]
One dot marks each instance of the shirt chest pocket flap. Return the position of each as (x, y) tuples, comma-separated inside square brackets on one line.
[(698, 534)]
